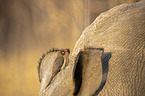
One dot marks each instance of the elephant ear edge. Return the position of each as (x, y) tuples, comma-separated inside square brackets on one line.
[(105, 69), (77, 73), (41, 59), (78, 69)]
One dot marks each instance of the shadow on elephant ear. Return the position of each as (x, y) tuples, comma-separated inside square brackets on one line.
[(79, 68), (78, 73), (105, 68)]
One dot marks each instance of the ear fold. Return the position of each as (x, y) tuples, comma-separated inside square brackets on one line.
[(78, 73), (105, 68), (90, 71)]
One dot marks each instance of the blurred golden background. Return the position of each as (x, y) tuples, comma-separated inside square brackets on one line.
[(28, 28)]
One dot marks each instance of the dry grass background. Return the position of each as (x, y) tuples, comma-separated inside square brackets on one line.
[(29, 28)]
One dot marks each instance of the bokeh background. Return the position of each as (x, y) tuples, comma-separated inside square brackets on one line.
[(29, 28)]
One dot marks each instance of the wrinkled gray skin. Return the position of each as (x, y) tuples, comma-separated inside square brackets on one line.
[(86, 71), (50, 66), (79, 79), (121, 32)]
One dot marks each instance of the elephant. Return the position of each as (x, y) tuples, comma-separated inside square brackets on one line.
[(109, 57), (120, 31), (75, 77)]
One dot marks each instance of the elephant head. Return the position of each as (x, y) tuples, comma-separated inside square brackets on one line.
[(79, 77), (118, 34)]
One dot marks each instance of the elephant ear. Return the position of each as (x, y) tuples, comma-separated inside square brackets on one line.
[(50, 52), (45, 68), (90, 71), (105, 69)]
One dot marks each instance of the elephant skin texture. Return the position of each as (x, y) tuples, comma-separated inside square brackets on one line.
[(121, 31), (108, 59)]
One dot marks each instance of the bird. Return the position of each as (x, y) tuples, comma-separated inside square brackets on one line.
[(60, 63)]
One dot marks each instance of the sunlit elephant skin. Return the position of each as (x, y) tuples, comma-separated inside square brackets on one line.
[(91, 70), (120, 31), (62, 83), (79, 78), (118, 37), (50, 65)]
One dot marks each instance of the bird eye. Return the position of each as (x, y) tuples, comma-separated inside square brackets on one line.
[(63, 53)]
